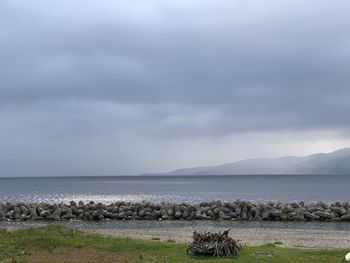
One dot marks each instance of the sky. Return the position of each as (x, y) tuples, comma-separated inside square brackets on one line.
[(125, 87)]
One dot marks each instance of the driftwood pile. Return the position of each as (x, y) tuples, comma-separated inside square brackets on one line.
[(213, 244)]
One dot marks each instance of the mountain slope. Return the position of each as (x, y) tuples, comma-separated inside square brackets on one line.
[(337, 162)]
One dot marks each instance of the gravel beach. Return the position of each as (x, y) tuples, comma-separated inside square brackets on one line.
[(297, 238), (292, 234)]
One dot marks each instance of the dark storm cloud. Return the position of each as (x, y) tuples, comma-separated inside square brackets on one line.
[(172, 69), (282, 59)]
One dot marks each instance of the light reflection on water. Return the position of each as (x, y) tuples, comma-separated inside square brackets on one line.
[(191, 189)]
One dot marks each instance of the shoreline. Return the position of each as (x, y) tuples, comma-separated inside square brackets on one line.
[(55, 243), (287, 238), (306, 235)]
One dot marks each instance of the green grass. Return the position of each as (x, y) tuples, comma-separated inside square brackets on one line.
[(62, 244)]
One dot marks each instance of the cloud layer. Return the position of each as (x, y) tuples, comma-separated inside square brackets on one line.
[(117, 87)]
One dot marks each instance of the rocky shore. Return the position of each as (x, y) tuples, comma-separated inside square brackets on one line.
[(216, 210)]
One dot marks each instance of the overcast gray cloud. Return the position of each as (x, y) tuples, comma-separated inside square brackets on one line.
[(113, 87)]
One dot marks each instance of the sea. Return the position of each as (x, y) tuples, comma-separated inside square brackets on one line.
[(189, 189)]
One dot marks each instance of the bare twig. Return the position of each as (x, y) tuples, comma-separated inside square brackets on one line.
[(213, 244)]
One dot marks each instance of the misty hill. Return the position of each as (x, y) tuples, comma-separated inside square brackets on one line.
[(337, 162)]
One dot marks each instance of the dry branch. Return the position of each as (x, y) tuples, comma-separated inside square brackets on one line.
[(213, 244)]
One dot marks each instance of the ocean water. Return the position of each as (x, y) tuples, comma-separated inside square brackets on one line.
[(191, 189), (200, 224)]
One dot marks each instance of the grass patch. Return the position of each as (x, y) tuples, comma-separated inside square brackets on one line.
[(61, 244)]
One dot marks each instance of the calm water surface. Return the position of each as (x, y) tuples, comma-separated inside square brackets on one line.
[(190, 189), (154, 224)]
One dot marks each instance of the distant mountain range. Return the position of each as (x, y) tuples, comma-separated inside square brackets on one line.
[(337, 162)]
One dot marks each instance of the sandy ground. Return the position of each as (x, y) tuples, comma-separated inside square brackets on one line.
[(299, 238)]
